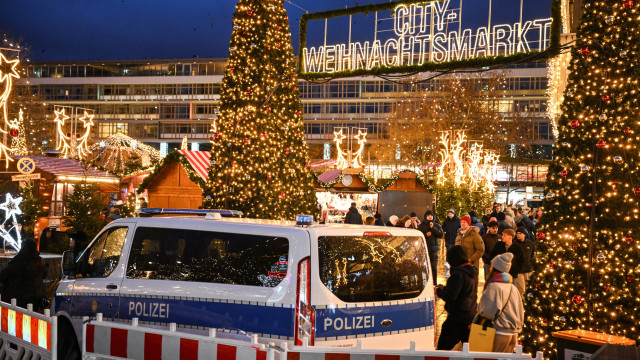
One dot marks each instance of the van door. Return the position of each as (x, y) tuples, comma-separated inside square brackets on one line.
[(372, 285), (100, 272)]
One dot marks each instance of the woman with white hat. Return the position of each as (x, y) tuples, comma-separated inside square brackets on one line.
[(501, 301)]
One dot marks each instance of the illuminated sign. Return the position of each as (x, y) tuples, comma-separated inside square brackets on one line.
[(419, 36)]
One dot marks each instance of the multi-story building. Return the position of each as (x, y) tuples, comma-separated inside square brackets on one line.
[(158, 102)]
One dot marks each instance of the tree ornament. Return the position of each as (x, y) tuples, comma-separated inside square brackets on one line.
[(278, 27), (306, 165), (627, 4), (574, 124), (244, 200), (601, 144), (577, 299), (609, 20), (286, 149), (541, 236), (248, 92), (552, 265), (562, 319), (245, 33), (265, 135), (601, 256), (278, 45), (630, 278), (606, 98), (245, 140), (216, 134), (298, 112), (232, 68), (602, 117), (298, 134), (268, 47), (636, 191), (628, 239), (569, 93), (282, 195), (584, 168), (268, 176), (550, 196), (538, 286), (623, 53), (233, 163), (584, 51), (618, 160), (530, 295), (627, 131), (14, 132), (555, 284), (564, 173), (250, 12)]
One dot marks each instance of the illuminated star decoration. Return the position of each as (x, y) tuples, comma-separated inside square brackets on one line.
[(83, 146), (63, 144), (341, 161), (362, 139), (11, 208)]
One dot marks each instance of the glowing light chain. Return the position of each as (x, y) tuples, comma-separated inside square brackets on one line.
[(11, 209), (7, 77), (342, 161), (83, 145), (357, 159), (63, 144), (476, 166)]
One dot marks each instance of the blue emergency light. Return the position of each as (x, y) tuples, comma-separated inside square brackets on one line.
[(304, 219), (196, 212)]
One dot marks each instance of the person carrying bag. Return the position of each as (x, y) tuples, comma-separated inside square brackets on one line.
[(500, 303)]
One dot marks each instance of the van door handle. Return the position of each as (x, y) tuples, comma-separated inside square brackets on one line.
[(112, 287)]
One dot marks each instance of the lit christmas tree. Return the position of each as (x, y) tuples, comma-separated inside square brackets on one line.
[(18, 136), (587, 262), (259, 153)]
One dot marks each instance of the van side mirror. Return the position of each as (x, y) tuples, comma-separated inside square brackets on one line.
[(68, 263)]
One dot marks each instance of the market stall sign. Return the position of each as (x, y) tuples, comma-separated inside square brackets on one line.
[(423, 35), (27, 177)]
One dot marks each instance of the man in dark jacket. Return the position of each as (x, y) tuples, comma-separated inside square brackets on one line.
[(353, 216), (502, 224), (527, 222), (450, 226), (491, 238), (474, 222), (508, 245), (379, 221), (432, 232), (22, 278), (460, 296), (528, 249)]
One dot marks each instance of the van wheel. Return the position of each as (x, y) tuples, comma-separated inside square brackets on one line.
[(68, 347)]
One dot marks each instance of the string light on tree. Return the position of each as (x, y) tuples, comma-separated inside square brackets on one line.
[(592, 207)]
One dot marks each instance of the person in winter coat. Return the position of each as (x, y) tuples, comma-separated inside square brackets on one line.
[(378, 221), (393, 220), (450, 226), (508, 245), (353, 216), (432, 232), (470, 240), (22, 278), (502, 224), (509, 218), (490, 239), (501, 301), (460, 296), (474, 222), (527, 222), (528, 249)]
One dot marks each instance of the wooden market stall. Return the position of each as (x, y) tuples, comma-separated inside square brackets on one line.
[(178, 181)]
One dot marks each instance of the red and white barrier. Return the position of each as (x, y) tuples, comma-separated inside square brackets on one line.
[(27, 332), (108, 340)]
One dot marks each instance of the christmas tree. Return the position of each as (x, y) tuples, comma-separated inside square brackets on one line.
[(589, 248), (259, 153)]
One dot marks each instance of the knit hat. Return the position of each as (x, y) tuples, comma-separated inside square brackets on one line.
[(451, 211), (456, 256), (501, 216), (473, 214), (493, 224), (466, 219), (427, 213), (393, 219), (413, 214), (502, 262), (521, 230)]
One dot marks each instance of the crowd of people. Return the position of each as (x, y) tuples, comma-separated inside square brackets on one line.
[(504, 239)]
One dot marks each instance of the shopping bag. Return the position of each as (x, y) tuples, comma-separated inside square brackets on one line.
[(482, 335)]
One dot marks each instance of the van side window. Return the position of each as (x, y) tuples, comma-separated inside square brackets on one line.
[(205, 256), (102, 257)]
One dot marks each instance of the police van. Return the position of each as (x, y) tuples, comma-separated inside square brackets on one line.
[(299, 282)]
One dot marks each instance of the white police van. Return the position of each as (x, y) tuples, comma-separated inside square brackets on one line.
[(322, 284)]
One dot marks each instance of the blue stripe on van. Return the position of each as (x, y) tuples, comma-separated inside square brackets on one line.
[(266, 321), (354, 321)]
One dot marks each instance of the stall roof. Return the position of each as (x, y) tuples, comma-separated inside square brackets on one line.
[(199, 161), (65, 167), (329, 176)]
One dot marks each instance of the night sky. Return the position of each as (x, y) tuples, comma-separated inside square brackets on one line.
[(155, 29)]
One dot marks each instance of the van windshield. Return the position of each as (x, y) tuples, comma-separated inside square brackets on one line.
[(366, 269)]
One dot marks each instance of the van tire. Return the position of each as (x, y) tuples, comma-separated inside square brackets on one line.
[(68, 347)]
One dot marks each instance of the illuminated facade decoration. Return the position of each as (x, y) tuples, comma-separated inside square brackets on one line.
[(8, 72), (185, 143), (357, 156), (63, 138), (349, 158), (9, 232), (82, 149), (341, 160)]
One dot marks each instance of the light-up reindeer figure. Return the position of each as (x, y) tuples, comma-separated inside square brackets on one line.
[(83, 145), (63, 139)]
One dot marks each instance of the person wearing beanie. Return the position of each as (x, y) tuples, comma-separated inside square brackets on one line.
[(475, 222), (502, 303), (22, 278), (502, 224), (490, 239), (528, 249), (450, 226), (378, 221), (460, 296), (509, 245), (393, 220), (432, 233), (469, 238)]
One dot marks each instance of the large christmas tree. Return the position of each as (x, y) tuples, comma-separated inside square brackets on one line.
[(259, 153), (588, 271)]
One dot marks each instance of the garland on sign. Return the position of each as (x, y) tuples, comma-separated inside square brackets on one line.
[(330, 184), (383, 184), (172, 157), (554, 42)]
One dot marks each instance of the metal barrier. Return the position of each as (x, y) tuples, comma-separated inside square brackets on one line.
[(108, 340), (25, 334)]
